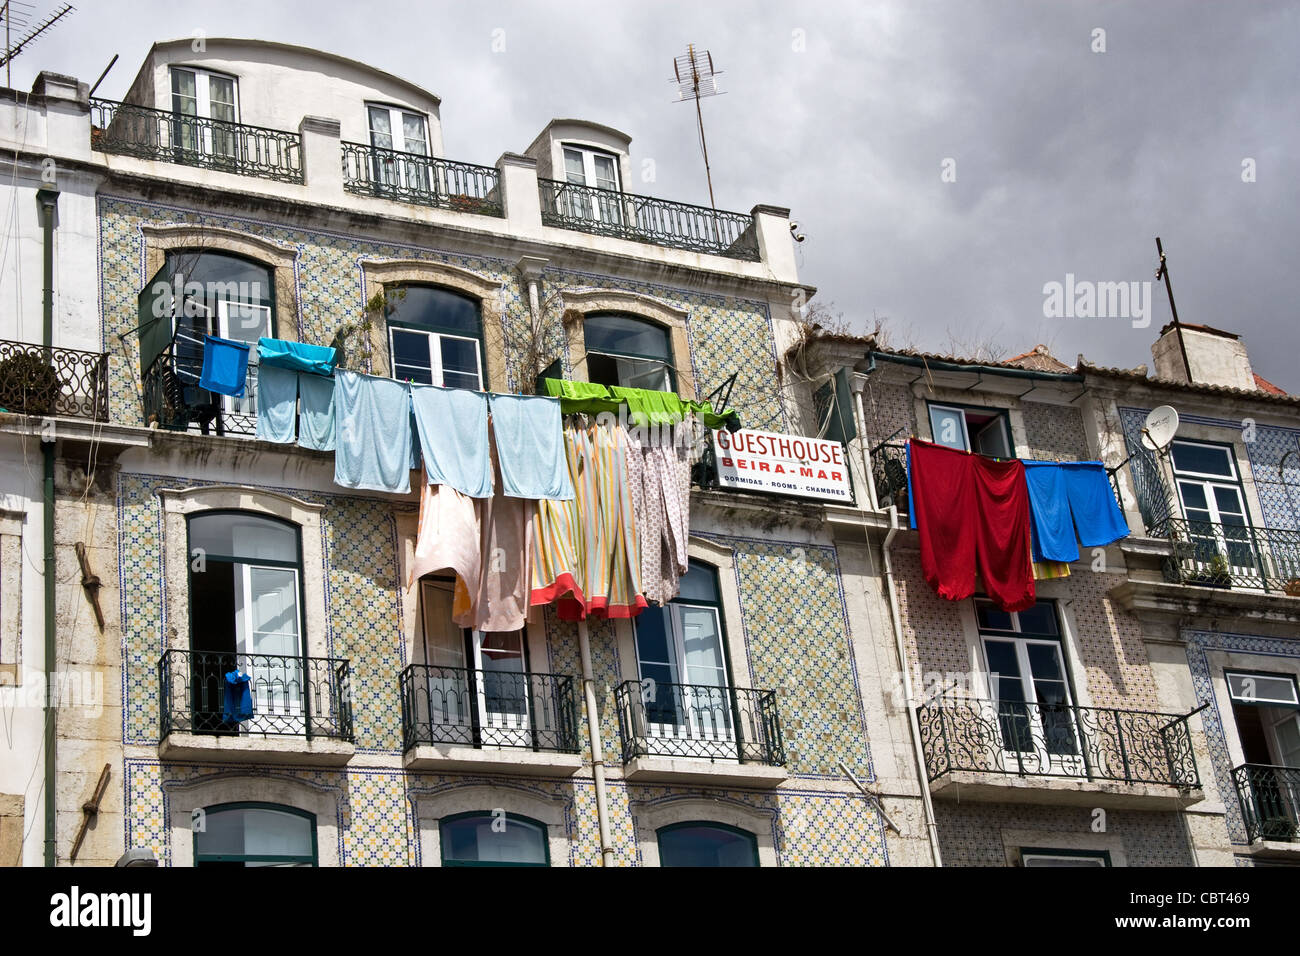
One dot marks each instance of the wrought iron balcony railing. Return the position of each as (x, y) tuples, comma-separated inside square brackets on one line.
[(426, 180), (488, 708), (148, 133), (889, 472), (35, 380), (1232, 556), (1056, 740), (698, 720), (610, 212), (173, 398), (1270, 801), (287, 696)]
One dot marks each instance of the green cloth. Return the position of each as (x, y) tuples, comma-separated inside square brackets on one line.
[(645, 406)]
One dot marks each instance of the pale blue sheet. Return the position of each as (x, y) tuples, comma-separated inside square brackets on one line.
[(277, 404), (529, 433), (453, 428), (316, 413), (373, 433)]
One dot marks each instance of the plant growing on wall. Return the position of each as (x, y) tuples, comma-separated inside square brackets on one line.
[(28, 384)]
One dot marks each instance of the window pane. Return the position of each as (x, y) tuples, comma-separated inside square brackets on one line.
[(993, 618), (703, 845), (1202, 459), (1003, 662), (652, 645), (459, 363), (1228, 501), (623, 335), (444, 644), (1193, 496), (1262, 689), (244, 536), (573, 168), (991, 439), (606, 173), (226, 278), (481, 839), (413, 133), (699, 583), (1062, 860), (411, 360), (254, 831), (184, 97), (948, 426), (702, 645), (381, 131), (433, 308), (1040, 619)]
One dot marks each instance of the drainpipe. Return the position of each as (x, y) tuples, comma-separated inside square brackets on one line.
[(48, 199), (597, 752), (887, 573)]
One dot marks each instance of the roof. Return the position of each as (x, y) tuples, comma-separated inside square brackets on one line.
[(1039, 359), (1264, 385), (1271, 393)]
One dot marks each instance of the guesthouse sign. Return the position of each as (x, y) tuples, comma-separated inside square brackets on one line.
[(782, 465)]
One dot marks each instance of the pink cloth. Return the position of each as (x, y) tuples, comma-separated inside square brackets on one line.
[(448, 536), (500, 603)]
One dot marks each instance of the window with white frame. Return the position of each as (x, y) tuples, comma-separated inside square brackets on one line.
[(627, 350), (435, 336), (599, 170), (400, 138), (1051, 858), (1210, 491), (985, 431), (199, 95)]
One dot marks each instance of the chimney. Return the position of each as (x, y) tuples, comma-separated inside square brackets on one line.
[(1216, 357)]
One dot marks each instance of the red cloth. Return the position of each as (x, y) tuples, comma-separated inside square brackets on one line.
[(972, 513)]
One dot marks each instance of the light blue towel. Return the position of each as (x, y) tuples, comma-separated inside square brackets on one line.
[(298, 356), (225, 366), (316, 414), (453, 428), (529, 433), (277, 404), (372, 433)]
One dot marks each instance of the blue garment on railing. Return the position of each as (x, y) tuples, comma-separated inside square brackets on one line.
[(1065, 497), (298, 356), (911, 506), (316, 412), (372, 442), (225, 366), (238, 700), (453, 428), (277, 404), (529, 435)]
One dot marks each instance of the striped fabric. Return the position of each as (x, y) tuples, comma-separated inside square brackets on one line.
[(1047, 570)]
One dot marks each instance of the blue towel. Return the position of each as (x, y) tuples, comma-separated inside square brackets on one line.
[(316, 413), (911, 506), (372, 423), (1096, 512), (237, 701), (298, 356), (453, 428), (1049, 507), (277, 404), (529, 434), (1065, 497), (225, 366)]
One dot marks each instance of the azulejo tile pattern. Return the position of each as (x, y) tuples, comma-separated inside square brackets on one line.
[(1054, 432)]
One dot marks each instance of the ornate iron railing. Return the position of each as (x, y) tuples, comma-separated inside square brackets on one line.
[(427, 180), (195, 141), (1231, 556), (35, 380), (287, 696), (889, 471), (1149, 487), (698, 720), (488, 708), (1270, 801), (1056, 740), (174, 400), (609, 212)]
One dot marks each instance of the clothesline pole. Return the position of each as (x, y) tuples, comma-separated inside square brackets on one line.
[(597, 752)]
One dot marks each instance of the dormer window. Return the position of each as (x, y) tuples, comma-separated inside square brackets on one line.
[(200, 95), (398, 129), (599, 170)]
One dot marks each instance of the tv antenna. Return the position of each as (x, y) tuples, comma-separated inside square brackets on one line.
[(694, 75), (18, 13)]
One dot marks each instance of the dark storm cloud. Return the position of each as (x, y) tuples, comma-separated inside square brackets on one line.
[(1067, 160)]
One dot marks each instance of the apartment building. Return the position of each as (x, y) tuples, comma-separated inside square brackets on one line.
[(257, 190)]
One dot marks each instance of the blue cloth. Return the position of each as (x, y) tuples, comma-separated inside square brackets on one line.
[(238, 701), (911, 506), (298, 356), (372, 420), (277, 404), (316, 412), (529, 435), (1069, 496), (453, 428), (225, 366)]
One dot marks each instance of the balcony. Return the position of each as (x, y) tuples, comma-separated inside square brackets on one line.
[(609, 212), (1232, 556), (889, 472), (301, 708), (696, 733), (462, 719), (146, 133), (1270, 803), (424, 180), (1014, 752), (173, 399), (63, 382)]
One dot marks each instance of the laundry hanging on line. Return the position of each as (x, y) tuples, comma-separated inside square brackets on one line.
[(528, 435), (972, 514), (316, 429), (1070, 497), (452, 424), (237, 701), (644, 406), (659, 481), (447, 538), (225, 366), (298, 356), (372, 417)]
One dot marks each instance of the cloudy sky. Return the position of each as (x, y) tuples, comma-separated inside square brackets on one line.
[(944, 160)]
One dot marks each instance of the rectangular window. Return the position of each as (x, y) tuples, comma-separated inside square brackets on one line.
[(980, 430), (401, 142), (199, 95), (434, 358), (1215, 509), (1033, 857), (1262, 688), (589, 167)]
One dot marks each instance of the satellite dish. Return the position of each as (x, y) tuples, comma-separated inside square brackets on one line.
[(1160, 428)]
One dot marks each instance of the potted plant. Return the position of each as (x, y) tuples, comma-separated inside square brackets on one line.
[(28, 384)]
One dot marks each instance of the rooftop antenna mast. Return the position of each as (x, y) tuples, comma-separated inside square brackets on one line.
[(16, 13), (694, 74), (1163, 273)]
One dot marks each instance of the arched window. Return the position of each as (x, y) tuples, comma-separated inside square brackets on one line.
[(435, 336), (625, 350), (245, 615), (493, 839), (254, 834), (700, 843)]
